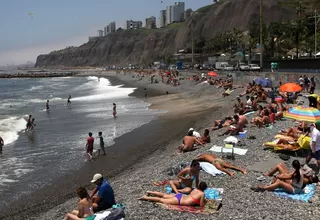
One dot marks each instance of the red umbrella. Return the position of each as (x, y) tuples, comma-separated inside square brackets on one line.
[(290, 87), (212, 73)]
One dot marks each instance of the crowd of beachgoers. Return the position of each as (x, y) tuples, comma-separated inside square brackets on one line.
[(185, 175)]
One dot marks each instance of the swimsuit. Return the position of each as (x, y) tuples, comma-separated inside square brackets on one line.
[(196, 201), (178, 196), (217, 161)]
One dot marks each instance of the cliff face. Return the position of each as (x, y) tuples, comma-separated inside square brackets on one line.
[(136, 47)]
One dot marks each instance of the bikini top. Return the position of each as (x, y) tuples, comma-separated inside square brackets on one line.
[(192, 178)]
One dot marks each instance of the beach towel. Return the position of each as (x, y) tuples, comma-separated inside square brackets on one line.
[(209, 193), (210, 208), (249, 113), (238, 151), (305, 196), (210, 169)]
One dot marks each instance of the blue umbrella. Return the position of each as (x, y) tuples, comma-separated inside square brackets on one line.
[(266, 83)]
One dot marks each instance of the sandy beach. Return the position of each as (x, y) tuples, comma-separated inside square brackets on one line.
[(152, 152)]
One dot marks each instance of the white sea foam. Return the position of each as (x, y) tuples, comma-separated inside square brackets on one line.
[(35, 88), (103, 90), (10, 127)]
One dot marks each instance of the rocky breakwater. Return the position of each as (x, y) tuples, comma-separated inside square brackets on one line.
[(145, 46), (36, 74)]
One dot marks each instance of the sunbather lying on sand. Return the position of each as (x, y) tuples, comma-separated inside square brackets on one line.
[(189, 143), (284, 144), (283, 170), (196, 197), (186, 178), (219, 164), (290, 182), (84, 207), (222, 123)]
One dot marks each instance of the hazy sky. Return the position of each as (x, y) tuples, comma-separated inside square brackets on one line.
[(57, 24)]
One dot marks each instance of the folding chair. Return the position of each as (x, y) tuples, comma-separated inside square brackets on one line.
[(229, 146)]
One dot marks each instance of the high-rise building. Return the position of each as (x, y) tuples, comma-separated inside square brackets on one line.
[(175, 13), (187, 13), (133, 25), (110, 28), (151, 22), (100, 33), (162, 18)]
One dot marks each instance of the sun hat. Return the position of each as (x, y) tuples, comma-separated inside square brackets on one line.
[(191, 129), (96, 177)]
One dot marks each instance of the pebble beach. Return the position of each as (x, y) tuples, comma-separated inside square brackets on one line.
[(199, 105)]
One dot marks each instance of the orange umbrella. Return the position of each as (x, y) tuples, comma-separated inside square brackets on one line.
[(290, 87), (212, 73)]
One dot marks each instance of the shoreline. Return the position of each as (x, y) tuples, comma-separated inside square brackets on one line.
[(141, 146)]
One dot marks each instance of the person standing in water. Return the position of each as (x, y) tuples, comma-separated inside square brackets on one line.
[(114, 110), (101, 144), (1, 144), (145, 93), (29, 123), (32, 124), (69, 101), (89, 146), (47, 105)]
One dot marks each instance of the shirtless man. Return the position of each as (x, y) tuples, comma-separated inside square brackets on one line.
[(189, 143), (222, 123), (1, 144), (219, 164), (234, 130), (47, 105), (29, 123), (69, 101)]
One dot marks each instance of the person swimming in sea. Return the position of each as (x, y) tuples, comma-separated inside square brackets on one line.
[(114, 110), (69, 100)]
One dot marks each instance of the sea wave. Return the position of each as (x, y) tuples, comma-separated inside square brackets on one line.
[(35, 88), (10, 128)]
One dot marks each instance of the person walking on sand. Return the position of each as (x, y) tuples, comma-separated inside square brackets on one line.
[(101, 144), (89, 146), (69, 100), (1, 144), (114, 110), (47, 105)]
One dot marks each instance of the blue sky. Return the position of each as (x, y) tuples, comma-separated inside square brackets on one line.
[(57, 24)]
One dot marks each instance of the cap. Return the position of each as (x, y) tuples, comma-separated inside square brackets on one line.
[(96, 177), (317, 123), (191, 129)]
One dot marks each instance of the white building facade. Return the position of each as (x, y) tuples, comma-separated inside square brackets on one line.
[(162, 18)]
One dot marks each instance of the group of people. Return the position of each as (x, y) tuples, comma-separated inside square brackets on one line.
[(90, 144), (101, 198), (30, 123)]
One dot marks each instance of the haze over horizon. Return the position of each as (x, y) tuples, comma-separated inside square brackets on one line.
[(55, 25)]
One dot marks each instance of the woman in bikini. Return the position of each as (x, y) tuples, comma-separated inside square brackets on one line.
[(84, 211), (262, 121), (219, 164), (292, 183), (114, 110), (186, 178), (195, 198)]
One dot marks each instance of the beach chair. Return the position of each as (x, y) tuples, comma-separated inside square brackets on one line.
[(228, 145)]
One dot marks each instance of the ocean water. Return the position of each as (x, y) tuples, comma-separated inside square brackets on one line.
[(56, 146)]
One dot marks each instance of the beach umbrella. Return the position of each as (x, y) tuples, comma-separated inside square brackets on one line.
[(290, 87), (263, 82), (212, 73), (300, 113)]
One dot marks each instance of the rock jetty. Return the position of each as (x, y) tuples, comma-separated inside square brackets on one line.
[(36, 74)]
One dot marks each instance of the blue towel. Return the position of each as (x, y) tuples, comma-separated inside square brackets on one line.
[(302, 197), (210, 193)]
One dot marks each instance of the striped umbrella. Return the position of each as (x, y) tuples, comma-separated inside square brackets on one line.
[(300, 113)]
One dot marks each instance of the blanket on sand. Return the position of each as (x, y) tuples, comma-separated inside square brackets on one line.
[(210, 193), (305, 196), (210, 208), (238, 151), (210, 169)]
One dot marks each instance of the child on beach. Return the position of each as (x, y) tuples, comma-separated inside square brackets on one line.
[(89, 146), (101, 144)]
